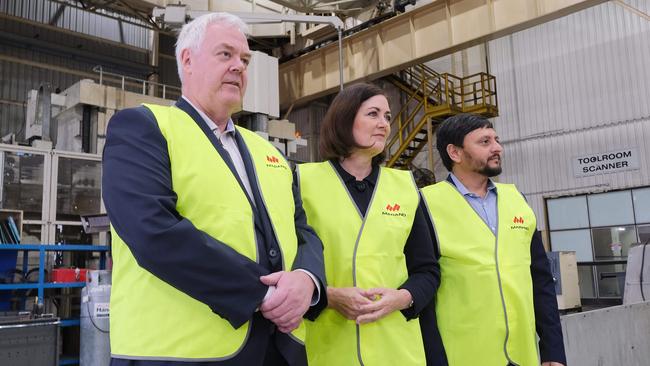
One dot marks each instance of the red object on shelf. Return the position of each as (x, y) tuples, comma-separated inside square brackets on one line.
[(69, 275)]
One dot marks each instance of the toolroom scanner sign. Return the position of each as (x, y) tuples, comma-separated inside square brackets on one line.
[(607, 162)]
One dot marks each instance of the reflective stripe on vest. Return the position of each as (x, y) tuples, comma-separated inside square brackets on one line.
[(484, 304), (151, 319), (365, 252)]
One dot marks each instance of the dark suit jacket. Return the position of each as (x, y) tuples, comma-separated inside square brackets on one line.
[(140, 201)]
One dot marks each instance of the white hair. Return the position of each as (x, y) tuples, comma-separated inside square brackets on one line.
[(192, 34)]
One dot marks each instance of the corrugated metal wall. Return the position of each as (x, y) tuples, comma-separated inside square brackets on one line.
[(15, 81), (78, 20), (577, 85), (31, 54), (462, 63)]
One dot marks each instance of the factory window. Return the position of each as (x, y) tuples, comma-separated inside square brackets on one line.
[(78, 188), (600, 228), (612, 243), (578, 241), (568, 213), (612, 208), (21, 183), (641, 199)]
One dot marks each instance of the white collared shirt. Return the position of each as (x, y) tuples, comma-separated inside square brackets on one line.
[(227, 139)]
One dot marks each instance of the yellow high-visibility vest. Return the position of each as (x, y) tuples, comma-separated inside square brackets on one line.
[(365, 252), (150, 319), (484, 305)]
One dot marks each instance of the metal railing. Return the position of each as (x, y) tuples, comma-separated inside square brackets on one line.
[(137, 85), (477, 90), (427, 89), (434, 95)]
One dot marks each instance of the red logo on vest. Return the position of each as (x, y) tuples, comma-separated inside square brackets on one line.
[(393, 208), (272, 159), (518, 220)]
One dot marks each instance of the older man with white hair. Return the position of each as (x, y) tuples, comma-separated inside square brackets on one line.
[(214, 263)]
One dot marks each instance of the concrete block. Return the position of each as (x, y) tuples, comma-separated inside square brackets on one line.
[(130, 100), (614, 336), (282, 129), (197, 5), (102, 121), (101, 128), (41, 144), (57, 100), (175, 14), (84, 92), (91, 93), (111, 97)]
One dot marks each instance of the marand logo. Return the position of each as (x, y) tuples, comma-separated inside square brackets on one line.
[(394, 207), (272, 159), (393, 210), (274, 162), (518, 223)]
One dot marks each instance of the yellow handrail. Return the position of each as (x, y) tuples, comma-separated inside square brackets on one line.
[(403, 126), (437, 96)]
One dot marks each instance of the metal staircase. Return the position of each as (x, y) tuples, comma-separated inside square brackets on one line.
[(432, 97)]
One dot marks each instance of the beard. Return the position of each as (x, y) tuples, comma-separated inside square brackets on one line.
[(490, 171)]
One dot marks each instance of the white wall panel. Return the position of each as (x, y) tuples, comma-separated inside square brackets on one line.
[(462, 63), (583, 70), (575, 86), (543, 166)]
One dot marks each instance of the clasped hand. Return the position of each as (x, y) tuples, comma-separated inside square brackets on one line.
[(289, 301), (366, 306)]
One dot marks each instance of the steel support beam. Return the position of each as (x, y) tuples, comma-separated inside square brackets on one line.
[(423, 34), (632, 9), (52, 28), (57, 14)]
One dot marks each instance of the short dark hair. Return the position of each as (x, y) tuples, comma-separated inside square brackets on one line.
[(336, 138), (453, 131)]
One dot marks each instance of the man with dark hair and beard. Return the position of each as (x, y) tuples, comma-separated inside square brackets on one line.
[(496, 288)]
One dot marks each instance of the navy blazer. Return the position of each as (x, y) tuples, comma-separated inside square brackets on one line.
[(141, 204)]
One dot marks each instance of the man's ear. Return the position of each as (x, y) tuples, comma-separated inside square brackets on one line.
[(454, 153), (186, 60)]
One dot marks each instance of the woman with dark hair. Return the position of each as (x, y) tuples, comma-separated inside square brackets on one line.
[(379, 259)]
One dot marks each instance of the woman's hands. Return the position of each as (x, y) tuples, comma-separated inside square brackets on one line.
[(386, 300), (366, 306), (347, 300)]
